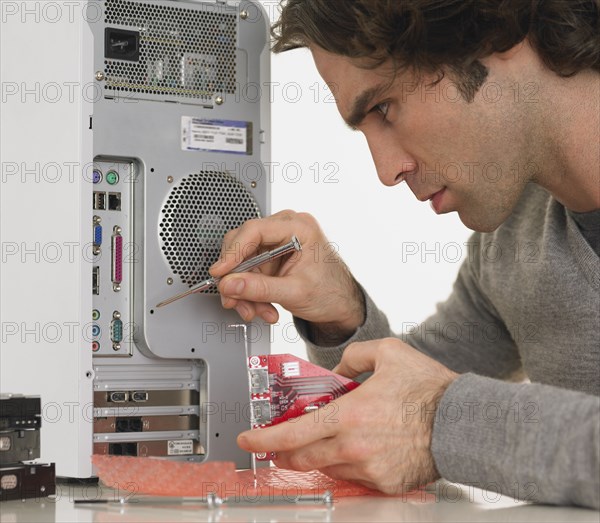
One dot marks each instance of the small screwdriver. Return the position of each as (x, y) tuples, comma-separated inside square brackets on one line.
[(292, 246)]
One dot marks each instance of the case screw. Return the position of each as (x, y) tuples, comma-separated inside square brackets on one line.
[(253, 185), (219, 100), (99, 76), (243, 15), (169, 281), (169, 179)]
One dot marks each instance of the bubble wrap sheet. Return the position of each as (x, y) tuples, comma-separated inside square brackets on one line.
[(159, 477)]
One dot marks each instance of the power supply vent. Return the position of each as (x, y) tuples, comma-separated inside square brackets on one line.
[(169, 50), (197, 214)]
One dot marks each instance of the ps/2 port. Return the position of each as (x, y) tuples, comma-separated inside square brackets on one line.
[(112, 177)]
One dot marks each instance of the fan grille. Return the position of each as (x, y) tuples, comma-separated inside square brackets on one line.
[(197, 214)]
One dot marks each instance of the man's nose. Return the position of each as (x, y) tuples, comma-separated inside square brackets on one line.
[(392, 161)]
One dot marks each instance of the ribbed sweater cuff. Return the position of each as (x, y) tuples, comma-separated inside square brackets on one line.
[(374, 327)]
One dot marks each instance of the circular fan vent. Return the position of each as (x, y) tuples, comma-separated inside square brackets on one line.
[(197, 214)]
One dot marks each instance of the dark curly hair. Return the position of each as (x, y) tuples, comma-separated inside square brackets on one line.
[(445, 35)]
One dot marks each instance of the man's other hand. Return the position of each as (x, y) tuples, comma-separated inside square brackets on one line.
[(378, 435)]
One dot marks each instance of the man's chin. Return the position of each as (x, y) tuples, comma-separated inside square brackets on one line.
[(479, 224)]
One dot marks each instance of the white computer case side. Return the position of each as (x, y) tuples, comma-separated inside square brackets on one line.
[(45, 146)]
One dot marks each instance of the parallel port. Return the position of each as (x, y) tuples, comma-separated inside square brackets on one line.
[(117, 256)]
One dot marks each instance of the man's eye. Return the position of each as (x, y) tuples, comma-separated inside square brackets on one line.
[(382, 109)]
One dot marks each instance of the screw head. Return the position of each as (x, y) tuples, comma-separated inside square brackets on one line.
[(99, 76), (253, 185), (116, 287), (96, 251), (243, 14), (116, 346), (169, 281), (169, 179), (219, 100)]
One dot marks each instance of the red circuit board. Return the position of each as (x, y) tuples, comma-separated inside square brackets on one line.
[(284, 387)]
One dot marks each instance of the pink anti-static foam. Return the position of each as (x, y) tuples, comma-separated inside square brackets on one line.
[(159, 477)]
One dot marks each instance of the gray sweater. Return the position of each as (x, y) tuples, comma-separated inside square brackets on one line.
[(526, 302)]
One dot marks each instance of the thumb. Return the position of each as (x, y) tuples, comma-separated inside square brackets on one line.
[(357, 358)]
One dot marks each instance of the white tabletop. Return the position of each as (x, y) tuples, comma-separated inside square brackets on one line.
[(442, 502)]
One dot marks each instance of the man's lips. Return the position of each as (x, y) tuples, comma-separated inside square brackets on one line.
[(431, 195), (436, 200)]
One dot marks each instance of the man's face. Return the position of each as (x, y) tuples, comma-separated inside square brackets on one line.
[(474, 158)]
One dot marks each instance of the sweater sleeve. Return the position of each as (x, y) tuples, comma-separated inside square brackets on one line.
[(530, 441), (465, 333)]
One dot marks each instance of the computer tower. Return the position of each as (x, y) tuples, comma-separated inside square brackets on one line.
[(134, 134)]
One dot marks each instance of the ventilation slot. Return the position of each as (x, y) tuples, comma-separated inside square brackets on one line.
[(183, 53)]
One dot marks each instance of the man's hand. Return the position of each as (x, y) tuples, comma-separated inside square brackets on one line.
[(379, 434), (314, 285)]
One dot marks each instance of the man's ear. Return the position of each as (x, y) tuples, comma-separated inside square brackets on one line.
[(513, 51), (517, 53)]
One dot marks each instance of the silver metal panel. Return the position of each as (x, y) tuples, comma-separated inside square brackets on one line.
[(144, 130)]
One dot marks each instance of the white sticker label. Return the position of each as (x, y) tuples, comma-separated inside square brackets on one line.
[(181, 447), (223, 136)]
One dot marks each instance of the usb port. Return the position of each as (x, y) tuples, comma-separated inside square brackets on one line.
[(96, 280), (114, 201), (99, 201)]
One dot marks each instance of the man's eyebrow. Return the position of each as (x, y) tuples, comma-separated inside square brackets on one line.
[(361, 104)]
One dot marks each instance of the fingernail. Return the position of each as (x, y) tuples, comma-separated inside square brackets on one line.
[(235, 286), (242, 440), (269, 317)]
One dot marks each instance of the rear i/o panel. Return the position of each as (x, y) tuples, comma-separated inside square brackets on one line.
[(132, 416), (112, 242)]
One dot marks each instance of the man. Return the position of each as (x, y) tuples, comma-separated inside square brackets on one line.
[(443, 404)]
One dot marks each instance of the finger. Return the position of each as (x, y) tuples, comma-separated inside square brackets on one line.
[(357, 358), (287, 436), (246, 310), (267, 312), (246, 240), (228, 303), (255, 287)]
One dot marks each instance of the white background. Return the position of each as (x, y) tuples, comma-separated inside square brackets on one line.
[(376, 228)]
